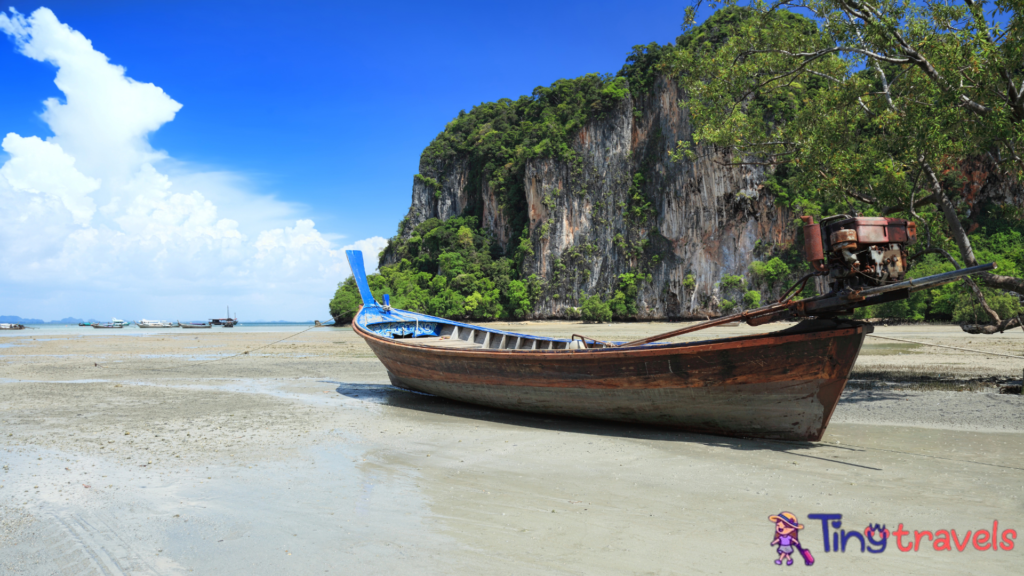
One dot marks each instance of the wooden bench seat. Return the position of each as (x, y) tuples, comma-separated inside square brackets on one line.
[(438, 342)]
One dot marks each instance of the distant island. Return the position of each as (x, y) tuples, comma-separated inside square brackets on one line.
[(20, 320)]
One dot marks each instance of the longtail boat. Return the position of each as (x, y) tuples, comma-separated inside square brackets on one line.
[(227, 322), (781, 385), (194, 325)]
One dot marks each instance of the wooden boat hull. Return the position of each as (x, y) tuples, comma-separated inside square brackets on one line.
[(779, 385), (782, 385)]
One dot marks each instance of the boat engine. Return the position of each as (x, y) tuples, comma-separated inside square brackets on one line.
[(858, 252)]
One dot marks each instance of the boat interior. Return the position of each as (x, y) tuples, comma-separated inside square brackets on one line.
[(422, 330), (418, 329)]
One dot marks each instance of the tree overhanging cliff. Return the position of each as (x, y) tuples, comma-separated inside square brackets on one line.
[(911, 109), (579, 201)]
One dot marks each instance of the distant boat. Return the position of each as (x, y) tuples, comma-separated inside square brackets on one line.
[(228, 322), (114, 323), (85, 323), (109, 325), (154, 324), (12, 326), (194, 324)]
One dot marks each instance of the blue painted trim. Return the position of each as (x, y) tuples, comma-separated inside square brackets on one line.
[(369, 317), (355, 262), (406, 329), (395, 322)]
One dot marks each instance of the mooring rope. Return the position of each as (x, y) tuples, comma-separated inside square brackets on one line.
[(950, 347), (260, 348)]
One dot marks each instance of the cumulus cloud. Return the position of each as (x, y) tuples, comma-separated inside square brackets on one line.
[(40, 167), (106, 117), (371, 248), (95, 214)]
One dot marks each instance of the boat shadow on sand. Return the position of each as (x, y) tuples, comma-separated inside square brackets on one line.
[(388, 395)]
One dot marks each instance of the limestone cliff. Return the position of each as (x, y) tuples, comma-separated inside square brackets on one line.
[(705, 217)]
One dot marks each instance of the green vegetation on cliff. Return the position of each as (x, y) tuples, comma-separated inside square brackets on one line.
[(446, 269), (497, 138)]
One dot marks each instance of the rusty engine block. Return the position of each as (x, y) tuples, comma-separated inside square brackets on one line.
[(859, 252)]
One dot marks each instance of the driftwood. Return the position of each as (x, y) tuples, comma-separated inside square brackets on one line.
[(1000, 326)]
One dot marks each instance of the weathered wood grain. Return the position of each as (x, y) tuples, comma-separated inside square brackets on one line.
[(778, 385)]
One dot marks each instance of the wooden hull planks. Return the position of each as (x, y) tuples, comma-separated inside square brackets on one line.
[(782, 385), (777, 385)]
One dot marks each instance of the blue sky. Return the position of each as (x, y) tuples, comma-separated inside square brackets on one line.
[(330, 104), (199, 154)]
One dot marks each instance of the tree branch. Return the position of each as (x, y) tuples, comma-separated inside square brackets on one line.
[(1008, 283), (998, 327), (865, 198), (981, 300), (952, 219), (811, 57), (865, 107), (906, 207), (868, 15), (970, 283)]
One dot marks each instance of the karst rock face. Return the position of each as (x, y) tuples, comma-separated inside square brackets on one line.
[(707, 216)]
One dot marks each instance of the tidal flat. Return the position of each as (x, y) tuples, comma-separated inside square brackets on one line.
[(175, 452)]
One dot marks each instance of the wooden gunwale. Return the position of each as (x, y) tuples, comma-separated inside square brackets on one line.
[(750, 341)]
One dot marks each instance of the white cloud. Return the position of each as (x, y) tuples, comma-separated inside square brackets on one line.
[(371, 248), (40, 167), (106, 117), (165, 234)]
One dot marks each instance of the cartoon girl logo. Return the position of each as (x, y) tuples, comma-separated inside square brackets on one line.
[(787, 531)]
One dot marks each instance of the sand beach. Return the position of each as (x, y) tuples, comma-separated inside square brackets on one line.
[(171, 452)]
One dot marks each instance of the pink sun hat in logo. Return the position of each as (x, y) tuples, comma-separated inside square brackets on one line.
[(788, 518)]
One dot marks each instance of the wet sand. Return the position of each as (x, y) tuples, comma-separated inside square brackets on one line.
[(136, 453)]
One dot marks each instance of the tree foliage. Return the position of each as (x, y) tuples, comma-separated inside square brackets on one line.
[(769, 273), (446, 269), (752, 299), (346, 301), (594, 310), (881, 107)]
